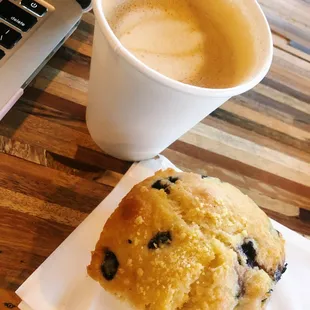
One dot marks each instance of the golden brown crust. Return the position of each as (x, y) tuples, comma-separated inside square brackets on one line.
[(184, 242)]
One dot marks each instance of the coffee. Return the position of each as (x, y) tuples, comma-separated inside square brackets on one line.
[(205, 43)]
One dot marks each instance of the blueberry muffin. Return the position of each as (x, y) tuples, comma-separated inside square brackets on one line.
[(185, 241)]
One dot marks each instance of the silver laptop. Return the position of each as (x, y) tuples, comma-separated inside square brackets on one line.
[(31, 31)]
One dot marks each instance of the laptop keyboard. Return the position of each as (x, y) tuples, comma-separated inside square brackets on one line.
[(2, 54), (8, 36), (17, 18), (34, 7)]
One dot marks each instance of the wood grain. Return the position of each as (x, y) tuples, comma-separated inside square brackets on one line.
[(52, 175)]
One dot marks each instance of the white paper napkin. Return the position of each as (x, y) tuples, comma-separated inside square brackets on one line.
[(61, 282)]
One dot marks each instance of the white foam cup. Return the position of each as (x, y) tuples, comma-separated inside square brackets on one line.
[(133, 111)]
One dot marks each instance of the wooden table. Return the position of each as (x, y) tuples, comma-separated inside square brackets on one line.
[(52, 174)]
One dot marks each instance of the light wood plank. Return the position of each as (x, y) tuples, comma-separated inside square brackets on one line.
[(250, 153)]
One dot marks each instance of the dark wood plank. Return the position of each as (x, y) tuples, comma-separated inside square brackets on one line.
[(287, 89), (294, 223), (41, 99), (8, 299), (72, 62), (29, 234), (269, 106), (58, 139), (50, 185)]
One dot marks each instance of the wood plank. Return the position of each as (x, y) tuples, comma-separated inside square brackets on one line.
[(39, 208), (293, 223), (284, 44), (74, 119), (43, 99), (290, 79), (289, 10), (23, 151), (80, 47), (45, 158), (50, 185), (84, 33), (71, 62), (286, 88), (243, 128), (38, 132), (240, 168), (298, 137), (29, 234), (70, 166), (8, 300), (268, 195), (29, 240), (270, 109), (283, 98), (253, 155), (18, 260), (269, 135), (45, 133), (298, 67), (289, 18), (63, 84), (304, 215)]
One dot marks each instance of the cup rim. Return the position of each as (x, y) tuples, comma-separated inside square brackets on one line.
[(171, 83)]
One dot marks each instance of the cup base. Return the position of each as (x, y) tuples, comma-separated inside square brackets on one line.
[(124, 151)]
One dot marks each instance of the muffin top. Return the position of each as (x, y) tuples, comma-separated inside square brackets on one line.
[(185, 241)]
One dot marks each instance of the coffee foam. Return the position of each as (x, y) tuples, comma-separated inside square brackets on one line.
[(202, 43)]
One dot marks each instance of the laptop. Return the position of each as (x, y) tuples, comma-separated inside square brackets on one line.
[(31, 31)]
